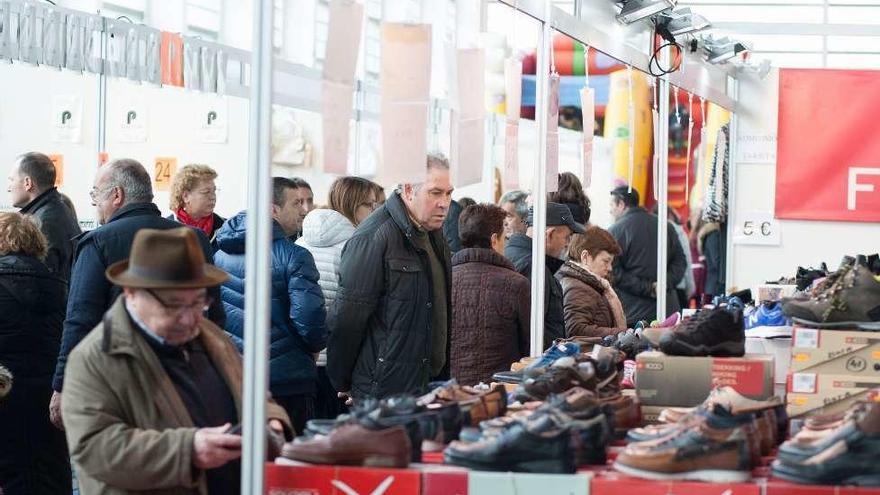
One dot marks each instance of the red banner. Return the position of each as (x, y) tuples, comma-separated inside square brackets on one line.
[(828, 159)]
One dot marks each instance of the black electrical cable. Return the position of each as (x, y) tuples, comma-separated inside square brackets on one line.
[(655, 60)]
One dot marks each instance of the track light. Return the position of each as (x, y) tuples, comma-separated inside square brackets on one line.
[(680, 22), (721, 50), (635, 10)]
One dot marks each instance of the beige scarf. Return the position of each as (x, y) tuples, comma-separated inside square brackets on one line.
[(613, 300)]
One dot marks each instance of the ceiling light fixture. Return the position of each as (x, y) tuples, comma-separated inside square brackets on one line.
[(636, 10), (680, 22)]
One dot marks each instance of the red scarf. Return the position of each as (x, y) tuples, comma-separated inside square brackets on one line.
[(205, 224)]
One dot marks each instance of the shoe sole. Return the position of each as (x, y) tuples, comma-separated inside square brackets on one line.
[(859, 480), (552, 466), (383, 461), (709, 475), (861, 325), (724, 349)]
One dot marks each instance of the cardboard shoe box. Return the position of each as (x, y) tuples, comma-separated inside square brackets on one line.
[(780, 348), (681, 381), (835, 352), (823, 393)]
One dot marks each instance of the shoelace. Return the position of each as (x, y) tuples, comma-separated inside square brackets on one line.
[(844, 280)]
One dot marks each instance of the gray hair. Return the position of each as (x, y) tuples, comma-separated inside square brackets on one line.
[(130, 176), (518, 198), (435, 161)]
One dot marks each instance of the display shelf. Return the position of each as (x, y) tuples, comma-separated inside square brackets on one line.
[(439, 479)]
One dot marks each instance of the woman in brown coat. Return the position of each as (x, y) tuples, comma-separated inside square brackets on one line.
[(590, 305), (490, 301)]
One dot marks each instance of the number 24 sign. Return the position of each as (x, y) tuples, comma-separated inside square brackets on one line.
[(164, 172)]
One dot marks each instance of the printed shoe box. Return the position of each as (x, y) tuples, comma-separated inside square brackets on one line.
[(780, 348), (299, 478), (651, 414), (822, 393), (682, 381), (837, 352)]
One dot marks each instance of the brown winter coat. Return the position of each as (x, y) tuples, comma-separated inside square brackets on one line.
[(491, 310), (127, 427), (587, 311)]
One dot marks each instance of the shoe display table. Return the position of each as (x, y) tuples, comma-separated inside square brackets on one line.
[(437, 479)]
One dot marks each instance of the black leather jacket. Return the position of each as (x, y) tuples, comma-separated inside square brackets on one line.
[(380, 326), (60, 227)]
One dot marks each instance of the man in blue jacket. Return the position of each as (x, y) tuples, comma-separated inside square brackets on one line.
[(298, 327), (123, 198)]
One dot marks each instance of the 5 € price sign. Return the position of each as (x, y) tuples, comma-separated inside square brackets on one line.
[(757, 227), (164, 172)]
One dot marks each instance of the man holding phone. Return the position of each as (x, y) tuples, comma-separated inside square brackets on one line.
[(151, 393)]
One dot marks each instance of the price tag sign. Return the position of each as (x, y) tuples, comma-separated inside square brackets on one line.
[(164, 172), (58, 161), (757, 227)]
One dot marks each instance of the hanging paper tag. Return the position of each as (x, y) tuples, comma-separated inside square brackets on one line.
[(336, 110), (511, 160), (467, 88), (552, 161), (588, 112), (405, 78), (512, 88), (343, 41)]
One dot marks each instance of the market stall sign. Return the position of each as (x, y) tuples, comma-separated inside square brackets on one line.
[(163, 172), (828, 156)]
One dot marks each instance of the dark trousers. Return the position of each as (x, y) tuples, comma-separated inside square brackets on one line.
[(300, 408), (33, 453), (328, 405)]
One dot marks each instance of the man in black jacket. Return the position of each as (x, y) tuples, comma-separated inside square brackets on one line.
[(123, 196), (389, 328), (560, 227), (32, 188), (635, 269)]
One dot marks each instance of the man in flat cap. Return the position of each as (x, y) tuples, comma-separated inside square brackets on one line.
[(151, 393)]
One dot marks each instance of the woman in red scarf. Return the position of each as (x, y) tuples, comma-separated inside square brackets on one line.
[(193, 198)]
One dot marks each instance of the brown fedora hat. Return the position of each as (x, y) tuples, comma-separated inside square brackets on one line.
[(166, 259)]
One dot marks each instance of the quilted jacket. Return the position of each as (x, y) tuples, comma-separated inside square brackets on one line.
[(298, 316), (491, 308)]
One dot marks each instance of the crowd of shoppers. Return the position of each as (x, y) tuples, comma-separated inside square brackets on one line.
[(132, 333)]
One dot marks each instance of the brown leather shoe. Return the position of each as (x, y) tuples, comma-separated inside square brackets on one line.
[(476, 405), (698, 453), (353, 444)]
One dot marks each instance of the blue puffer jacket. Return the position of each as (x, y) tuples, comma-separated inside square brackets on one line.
[(298, 328)]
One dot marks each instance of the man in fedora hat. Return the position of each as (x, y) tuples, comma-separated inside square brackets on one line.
[(151, 393)]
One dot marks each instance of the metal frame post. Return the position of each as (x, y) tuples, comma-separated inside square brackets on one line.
[(662, 148), (257, 256), (731, 191), (539, 187)]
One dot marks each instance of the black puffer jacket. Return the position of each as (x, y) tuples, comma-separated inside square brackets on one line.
[(380, 326), (519, 252), (59, 226), (32, 303), (635, 269)]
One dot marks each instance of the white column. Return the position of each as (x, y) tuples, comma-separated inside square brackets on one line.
[(731, 188), (662, 147), (539, 191)]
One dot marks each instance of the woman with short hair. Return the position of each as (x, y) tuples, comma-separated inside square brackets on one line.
[(491, 303), (324, 234), (589, 303), (33, 453), (194, 197)]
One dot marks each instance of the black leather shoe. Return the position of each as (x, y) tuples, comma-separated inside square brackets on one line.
[(536, 446)]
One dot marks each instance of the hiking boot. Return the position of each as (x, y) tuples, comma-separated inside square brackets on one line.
[(848, 457), (715, 450), (718, 332), (353, 444), (852, 300)]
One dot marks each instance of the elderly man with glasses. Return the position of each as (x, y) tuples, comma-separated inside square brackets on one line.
[(152, 393)]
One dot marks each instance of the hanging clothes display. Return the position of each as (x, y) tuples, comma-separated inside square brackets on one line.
[(715, 205)]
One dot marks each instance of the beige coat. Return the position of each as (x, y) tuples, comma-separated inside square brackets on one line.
[(127, 427)]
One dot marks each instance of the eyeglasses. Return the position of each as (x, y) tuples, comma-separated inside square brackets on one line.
[(177, 310)]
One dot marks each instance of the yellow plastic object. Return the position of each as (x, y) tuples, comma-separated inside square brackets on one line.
[(715, 118), (617, 128)]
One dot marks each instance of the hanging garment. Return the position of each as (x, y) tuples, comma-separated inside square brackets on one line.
[(75, 41), (94, 61), (715, 206), (192, 51), (30, 25), (8, 31), (54, 50), (152, 66)]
